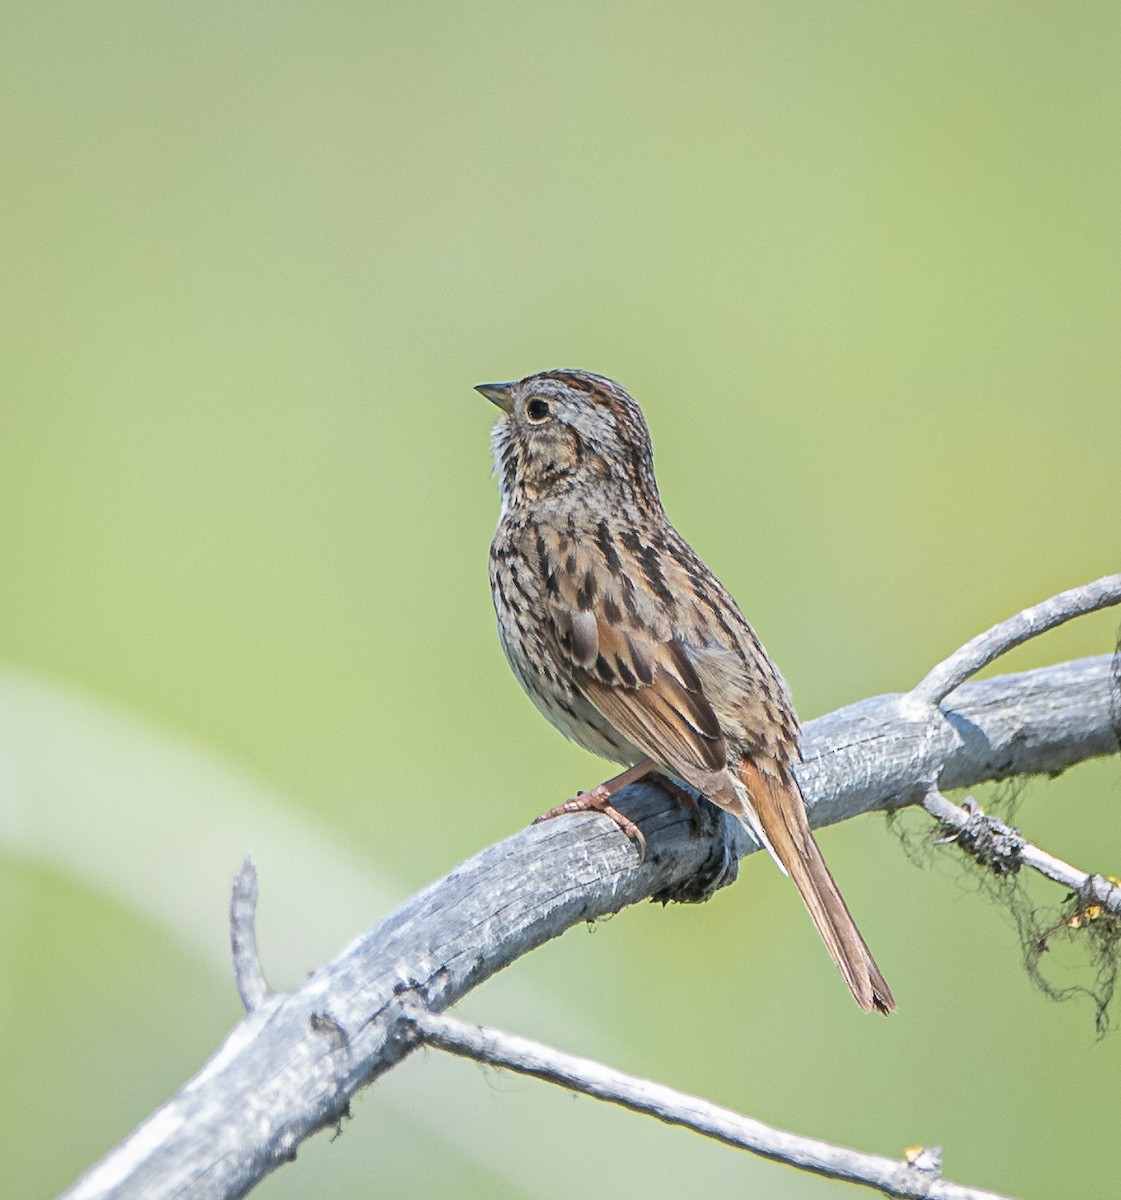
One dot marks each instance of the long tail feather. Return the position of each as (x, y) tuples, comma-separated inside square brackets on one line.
[(779, 810)]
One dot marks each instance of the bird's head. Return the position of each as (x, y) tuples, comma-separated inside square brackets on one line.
[(568, 430)]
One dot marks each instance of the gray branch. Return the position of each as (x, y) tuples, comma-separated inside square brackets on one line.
[(987, 647), (290, 1067), (918, 1176), (1004, 851), (251, 986)]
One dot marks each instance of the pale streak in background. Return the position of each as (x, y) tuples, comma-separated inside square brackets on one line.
[(160, 826)]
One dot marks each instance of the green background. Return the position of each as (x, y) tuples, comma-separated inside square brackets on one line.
[(859, 263)]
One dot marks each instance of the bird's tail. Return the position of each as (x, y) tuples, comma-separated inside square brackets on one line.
[(777, 810)]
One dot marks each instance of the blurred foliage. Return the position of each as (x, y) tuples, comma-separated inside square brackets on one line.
[(860, 265)]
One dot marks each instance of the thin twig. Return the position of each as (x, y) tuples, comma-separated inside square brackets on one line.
[(978, 652), (250, 981), (1004, 850), (894, 1177), (993, 843)]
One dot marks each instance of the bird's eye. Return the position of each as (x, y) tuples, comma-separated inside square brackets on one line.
[(537, 410)]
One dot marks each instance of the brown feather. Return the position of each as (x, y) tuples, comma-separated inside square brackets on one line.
[(777, 801), (626, 641), (656, 720), (644, 685)]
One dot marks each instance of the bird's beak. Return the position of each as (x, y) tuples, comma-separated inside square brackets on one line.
[(501, 394)]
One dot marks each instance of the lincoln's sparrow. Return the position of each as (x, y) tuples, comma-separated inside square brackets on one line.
[(627, 642)]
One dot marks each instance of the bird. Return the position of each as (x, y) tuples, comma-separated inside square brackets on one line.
[(631, 647)]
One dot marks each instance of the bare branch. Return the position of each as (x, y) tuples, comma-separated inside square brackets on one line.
[(910, 1177), (291, 1066), (1003, 850), (251, 986), (986, 647)]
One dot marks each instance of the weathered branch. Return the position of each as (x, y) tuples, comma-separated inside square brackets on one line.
[(290, 1067), (251, 986), (987, 647), (916, 1176), (1004, 851)]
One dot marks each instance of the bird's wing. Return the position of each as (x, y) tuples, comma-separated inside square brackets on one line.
[(639, 676), (646, 687)]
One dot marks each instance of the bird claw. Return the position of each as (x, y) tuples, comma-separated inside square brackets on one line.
[(599, 800)]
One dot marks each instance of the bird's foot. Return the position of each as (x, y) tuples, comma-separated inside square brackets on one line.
[(599, 800)]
